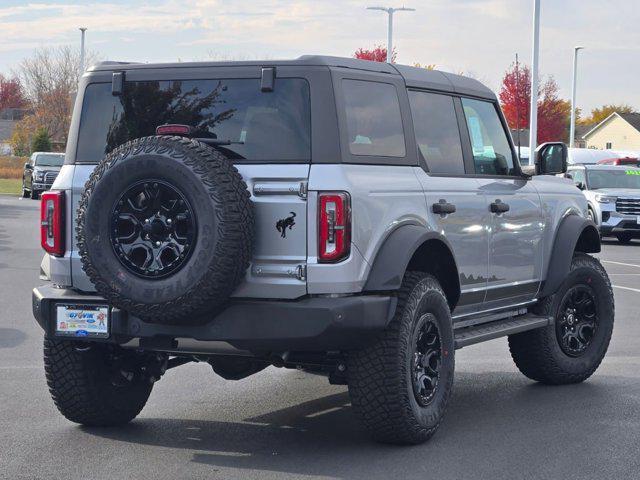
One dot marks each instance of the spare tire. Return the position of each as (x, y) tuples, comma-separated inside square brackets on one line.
[(165, 229)]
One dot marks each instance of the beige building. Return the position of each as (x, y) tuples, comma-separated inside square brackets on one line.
[(619, 131)]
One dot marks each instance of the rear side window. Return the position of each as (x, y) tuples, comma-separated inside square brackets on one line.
[(492, 153), (437, 134), (258, 126), (374, 124)]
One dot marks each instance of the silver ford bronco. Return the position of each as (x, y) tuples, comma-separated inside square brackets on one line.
[(356, 219)]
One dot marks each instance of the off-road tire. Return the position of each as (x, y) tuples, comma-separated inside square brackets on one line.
[(537, 353), (221, 202), (82, 389), (379, 376)]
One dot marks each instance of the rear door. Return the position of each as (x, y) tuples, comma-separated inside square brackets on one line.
[(262, 118), (456, 205), (515, 241)]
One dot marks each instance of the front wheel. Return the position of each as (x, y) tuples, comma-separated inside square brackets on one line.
[(35, 194), (572, 347), (624, 238), (95, 385), (25, 192), (400, 385)]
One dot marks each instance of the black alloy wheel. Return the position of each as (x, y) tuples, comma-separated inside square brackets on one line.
[(153, 229), (578, 320), (427, 357)]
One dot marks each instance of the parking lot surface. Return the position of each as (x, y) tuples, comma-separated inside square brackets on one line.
[(287, 424)]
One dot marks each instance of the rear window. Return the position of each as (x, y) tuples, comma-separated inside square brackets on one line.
[(259, 126)]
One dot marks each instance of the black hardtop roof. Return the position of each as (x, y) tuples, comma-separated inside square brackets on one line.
[(414, 76)]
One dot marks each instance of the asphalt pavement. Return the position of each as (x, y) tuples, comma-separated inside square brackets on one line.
[(285, 424)]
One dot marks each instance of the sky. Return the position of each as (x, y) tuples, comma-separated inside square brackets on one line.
[(477, 37)]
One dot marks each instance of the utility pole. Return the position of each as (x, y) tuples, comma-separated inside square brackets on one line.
[(82, 30), (533, 111), (390, 11), (518, 107), (572, 127)]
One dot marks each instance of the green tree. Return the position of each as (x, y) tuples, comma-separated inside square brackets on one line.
[(41, 141)]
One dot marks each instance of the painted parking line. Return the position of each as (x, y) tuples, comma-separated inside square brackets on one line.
[(626, 288), (620, 263)]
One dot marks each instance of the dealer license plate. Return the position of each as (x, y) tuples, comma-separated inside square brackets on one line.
[(82, 321)]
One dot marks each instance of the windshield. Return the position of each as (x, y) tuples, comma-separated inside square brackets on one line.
[(49, 160), (252, 125), (613, 178)]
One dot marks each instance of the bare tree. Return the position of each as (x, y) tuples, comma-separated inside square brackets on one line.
[(50, 82)]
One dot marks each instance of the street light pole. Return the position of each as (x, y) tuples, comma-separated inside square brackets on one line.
[(390, 11), (533, 111), (572, 127), (82, 30)]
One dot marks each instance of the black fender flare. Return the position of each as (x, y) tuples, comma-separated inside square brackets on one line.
[(393, 257), (574, 233)]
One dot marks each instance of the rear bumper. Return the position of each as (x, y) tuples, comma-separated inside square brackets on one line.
[(317, 324)]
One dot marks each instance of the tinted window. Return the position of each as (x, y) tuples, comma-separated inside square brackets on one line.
[(437, 134), (259, 126), (491, 151), (374, 124)]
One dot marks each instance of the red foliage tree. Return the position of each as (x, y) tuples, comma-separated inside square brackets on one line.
[(11, 95), (515, 99), (376, 54)]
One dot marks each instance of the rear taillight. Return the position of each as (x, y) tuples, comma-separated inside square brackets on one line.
[(52, 223), (334, 239)]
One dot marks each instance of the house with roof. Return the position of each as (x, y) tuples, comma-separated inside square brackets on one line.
[(619, 131)]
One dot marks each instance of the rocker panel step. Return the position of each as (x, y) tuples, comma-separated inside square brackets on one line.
[(500, 328)]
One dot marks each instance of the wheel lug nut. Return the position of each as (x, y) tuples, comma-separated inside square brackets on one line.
[(146, 220), (169, 220), (158, 244)]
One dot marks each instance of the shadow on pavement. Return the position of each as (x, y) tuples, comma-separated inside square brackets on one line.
[(11, 337), (497, 425), (633, 243)]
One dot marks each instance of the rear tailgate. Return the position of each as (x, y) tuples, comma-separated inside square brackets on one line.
[(278, 267)]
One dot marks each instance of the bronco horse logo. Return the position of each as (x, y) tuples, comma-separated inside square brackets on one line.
[(283, 224)]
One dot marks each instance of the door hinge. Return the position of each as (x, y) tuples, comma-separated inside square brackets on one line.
[(298, 272), (301, 272), (302, 190)]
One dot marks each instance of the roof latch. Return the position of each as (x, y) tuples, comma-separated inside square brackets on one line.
[(267, 79)]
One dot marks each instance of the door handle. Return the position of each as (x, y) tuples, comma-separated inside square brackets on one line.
[(499, 207), (443, 208)]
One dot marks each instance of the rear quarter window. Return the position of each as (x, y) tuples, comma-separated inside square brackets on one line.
[(374, 123), (259, 126)]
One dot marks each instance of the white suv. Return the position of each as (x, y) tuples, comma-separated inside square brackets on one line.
[(613, 193)]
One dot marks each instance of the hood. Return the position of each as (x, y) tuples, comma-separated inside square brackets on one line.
[(618, 192)]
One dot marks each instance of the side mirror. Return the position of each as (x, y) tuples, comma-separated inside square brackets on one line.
[(28, 166), (551, 158), (581, 185)]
